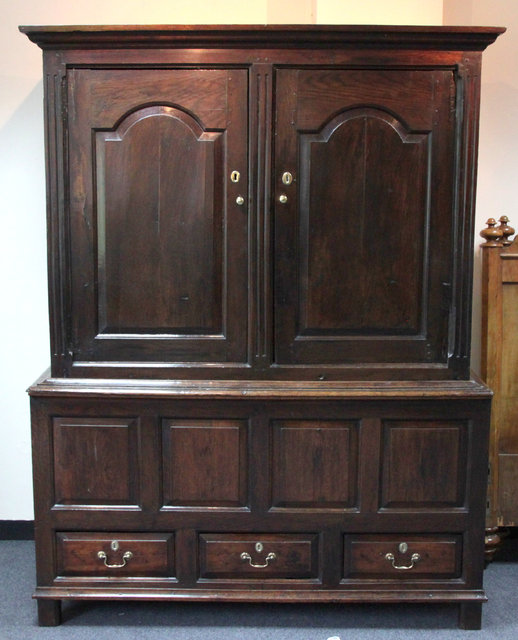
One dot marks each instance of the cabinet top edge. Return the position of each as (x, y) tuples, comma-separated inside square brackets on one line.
[(301, 35)]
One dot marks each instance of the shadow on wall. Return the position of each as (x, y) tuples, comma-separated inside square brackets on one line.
[(22, 184), (24, 316)]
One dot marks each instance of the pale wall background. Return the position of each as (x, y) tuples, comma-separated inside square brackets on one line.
[(23, 318)]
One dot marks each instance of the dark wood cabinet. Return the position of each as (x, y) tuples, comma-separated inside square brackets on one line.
[(260, 255)]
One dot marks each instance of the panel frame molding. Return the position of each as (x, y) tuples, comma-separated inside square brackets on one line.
[(134, 501), (171, 502)]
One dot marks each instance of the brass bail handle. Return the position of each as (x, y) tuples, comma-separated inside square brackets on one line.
[(246, 556), (127, 555), (403, 567)]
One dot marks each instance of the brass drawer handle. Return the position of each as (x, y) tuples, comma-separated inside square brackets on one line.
[(246, 556), (127, 556), (402, 567)]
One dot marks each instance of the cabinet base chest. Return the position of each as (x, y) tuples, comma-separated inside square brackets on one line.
[(205, 492)]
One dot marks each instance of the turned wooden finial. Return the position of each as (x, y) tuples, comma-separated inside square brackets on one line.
[(492, 235), (506, 230)]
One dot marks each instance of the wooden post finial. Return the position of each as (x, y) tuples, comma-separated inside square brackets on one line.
[(506, 230), (492, 235)]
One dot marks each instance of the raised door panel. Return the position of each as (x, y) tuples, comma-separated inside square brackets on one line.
[(96, 462), (424, 464), (205, 463), (363, 240), (159, 265), (389, 299), (149, 277), (315, 464)]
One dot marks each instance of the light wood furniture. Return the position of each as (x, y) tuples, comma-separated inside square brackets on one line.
[(500, 371), (260, 256)]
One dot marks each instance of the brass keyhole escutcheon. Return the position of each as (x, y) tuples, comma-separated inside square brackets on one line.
[(258, 547), (235, 176), (403, 547), (287, 178)]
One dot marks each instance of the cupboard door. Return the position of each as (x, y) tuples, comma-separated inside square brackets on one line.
[(158, 242), (363, 234)]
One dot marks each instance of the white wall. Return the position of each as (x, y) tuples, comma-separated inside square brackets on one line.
[(379, 12), (23, 321)]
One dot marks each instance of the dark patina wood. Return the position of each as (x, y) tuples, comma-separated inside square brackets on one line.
[(256, 501), (256, 291), (499, 365), (260, 256)]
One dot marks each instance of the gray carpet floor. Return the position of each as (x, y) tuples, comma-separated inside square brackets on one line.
[(143, 621)]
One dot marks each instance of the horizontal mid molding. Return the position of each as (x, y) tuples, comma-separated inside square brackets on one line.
[(250, 389)]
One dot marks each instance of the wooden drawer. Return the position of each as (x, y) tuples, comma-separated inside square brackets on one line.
[(115, 554), (403, 556), (258, 556)]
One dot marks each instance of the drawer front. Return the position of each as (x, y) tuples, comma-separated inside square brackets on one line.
[(258, 556), (115, 554), (402, 556)]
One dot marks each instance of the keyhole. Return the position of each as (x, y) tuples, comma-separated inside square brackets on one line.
[(258, 547)]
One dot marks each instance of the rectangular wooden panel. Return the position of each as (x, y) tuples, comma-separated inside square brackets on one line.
[(123, 554), (256, 556), (96, 461), (508, 391), (402, 556), (315, 464), (423, 464), (507, 488), (205, 463), (509, 269)]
